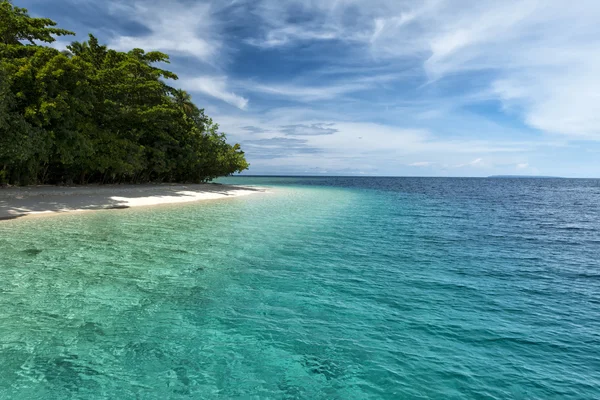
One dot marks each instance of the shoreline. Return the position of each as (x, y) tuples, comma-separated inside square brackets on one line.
[(49, 200)]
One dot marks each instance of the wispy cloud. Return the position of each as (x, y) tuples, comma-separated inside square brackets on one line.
[(319, 21), (307, 93), (372, 147), (175, 28), (380, 86), (550, 79), (478, 162), (215, 87), (308, 130), (279, 147), (253, 129), (289, 34)]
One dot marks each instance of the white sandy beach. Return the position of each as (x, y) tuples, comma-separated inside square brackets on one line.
[(19, 202)]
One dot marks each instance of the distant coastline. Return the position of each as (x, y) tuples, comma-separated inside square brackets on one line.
[(524, 177)]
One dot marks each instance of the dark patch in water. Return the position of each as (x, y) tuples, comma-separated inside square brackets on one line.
[(182, 375), (327, 368), (145, 350), (32, 252), (182, 384), (91, 329), (289, 391), (67, 371)]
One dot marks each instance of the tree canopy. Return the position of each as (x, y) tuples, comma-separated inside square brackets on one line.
[(93, 114)]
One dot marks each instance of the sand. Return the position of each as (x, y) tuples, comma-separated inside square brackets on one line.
[(35, 200)]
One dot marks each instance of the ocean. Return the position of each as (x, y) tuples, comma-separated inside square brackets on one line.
[(323, 288)]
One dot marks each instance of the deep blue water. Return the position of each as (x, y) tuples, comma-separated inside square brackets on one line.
[(324, 288)]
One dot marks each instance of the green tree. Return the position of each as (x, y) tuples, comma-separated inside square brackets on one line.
[(183, 100), (17, 26), (93, 114)]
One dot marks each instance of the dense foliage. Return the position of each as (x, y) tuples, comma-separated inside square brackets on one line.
[(92, 114)]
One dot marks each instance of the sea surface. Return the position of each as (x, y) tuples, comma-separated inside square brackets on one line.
[(323, 288)]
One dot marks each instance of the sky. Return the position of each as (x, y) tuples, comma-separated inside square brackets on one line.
[(376, 87)]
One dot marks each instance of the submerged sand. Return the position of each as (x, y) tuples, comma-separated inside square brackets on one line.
[(19, 202)]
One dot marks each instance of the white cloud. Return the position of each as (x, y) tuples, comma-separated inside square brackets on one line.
[(537, 58), (478, 162), (60, 44), (540, 58), (542, 53), (549, 79), (176, 28), (215, 87), (309, 93), (327, 23), (372, 147), (287, 34)]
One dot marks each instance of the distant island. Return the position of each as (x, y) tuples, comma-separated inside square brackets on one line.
[(525, 176), (90, 114)]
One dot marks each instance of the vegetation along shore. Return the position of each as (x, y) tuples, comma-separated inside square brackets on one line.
[(90, 114)]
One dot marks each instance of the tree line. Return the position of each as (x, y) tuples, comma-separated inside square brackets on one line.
[(90, 114)]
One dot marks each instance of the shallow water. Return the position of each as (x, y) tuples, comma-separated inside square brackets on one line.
[(325, 288)]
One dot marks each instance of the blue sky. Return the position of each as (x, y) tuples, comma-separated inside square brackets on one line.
[(378, 87)]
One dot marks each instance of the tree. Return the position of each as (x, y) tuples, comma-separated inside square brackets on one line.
[(183, 100), (17, 26), (93, 114)]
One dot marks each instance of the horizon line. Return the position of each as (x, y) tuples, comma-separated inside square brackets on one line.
[(409, 176)]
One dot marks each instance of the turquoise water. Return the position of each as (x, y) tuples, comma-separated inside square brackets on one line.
[(329, 288)]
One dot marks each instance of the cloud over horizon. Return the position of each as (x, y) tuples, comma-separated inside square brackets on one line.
[(442, 87)]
